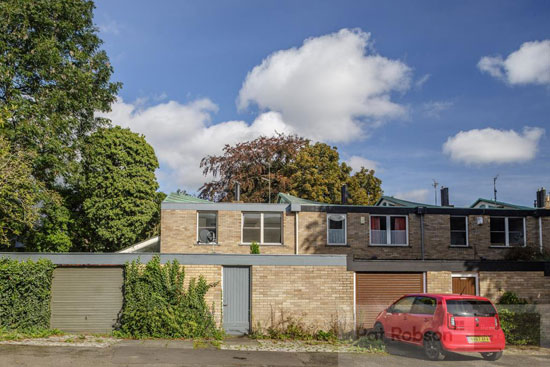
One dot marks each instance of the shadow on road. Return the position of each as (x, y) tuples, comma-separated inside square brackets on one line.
[(411, 351)]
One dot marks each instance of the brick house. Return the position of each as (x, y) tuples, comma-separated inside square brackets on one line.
[(393, 247)]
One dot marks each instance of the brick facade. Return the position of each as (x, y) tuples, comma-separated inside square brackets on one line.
[(439, 282), (212, 274), (318, 296)]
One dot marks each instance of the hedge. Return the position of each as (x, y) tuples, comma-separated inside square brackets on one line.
[(25, 293), (519, 320), (157, 305)]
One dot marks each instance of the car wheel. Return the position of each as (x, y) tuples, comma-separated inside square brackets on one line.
[(432, 348), (491, 356), (379, 332)]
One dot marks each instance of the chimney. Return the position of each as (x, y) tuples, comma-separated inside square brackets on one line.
[(547, 202), (444, 196), (237, 194), (541, 197), (344, 194)]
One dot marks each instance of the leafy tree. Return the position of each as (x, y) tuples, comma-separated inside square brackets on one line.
[(20, 194), (118, 189), (252, 164), (364, 187)]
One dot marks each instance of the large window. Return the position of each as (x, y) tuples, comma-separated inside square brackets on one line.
[(264, 228), (459, 231), (207, 227), (507, 231), (390, 230), (336, 225)]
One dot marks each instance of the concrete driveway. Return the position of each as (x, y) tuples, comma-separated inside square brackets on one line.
[(153, 354)]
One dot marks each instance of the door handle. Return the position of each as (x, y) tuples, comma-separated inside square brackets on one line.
[(225, 305)]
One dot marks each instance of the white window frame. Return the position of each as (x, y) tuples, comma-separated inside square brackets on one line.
[(388, 230), (217, 228), (466, 220), (507, 232), (468, 275), (345, 230), (262, 229)]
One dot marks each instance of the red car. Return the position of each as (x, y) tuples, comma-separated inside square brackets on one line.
[(444, 322)]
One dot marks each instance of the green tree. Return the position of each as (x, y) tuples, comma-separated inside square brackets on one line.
[(364, 187), (20, 194), (118, 189)]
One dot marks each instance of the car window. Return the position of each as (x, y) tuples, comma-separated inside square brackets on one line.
[(403, 305), (470, 307), (424, 306)]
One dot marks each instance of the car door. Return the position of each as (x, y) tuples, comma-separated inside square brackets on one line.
[(397, 316), (419, 319)]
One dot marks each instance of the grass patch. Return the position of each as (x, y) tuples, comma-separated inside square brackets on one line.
[(370, 344), (6, 334)]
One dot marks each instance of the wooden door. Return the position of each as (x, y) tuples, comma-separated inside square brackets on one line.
[(464, 285)]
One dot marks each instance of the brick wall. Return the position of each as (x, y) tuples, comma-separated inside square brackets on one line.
[(212, 274), (179, 234), (439, 282), (316, 295), (532, 285)]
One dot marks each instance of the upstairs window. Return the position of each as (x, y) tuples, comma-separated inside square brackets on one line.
[(336, 226), (264, 228), (207, 227), (459, 231), (390, 230), (509, 232)]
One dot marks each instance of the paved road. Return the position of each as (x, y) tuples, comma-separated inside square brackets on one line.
[(138, 355)]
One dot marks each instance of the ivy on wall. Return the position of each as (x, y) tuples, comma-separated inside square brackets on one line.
[(157, 305), (25, 293)]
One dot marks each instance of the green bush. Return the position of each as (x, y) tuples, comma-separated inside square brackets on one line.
[(290, 328), (519, 320), (25, 292), (157, 305), (254, 248)]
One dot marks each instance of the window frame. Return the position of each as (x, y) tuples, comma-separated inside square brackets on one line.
[(261, 242), (388, 234), (507, 233), (217, 227), (345, 230), (467, 232)]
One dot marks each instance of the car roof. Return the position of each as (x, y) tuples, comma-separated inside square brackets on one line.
[(445, 296)]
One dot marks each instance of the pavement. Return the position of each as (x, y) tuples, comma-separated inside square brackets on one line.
[(161, 353)]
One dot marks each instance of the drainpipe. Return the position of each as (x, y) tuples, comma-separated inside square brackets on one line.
[(540, 236), (420, 210), (296, 233)]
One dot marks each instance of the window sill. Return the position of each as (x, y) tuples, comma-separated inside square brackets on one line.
[(506, 247), (262, 244), (337, 245), (458, 246), (381, 245), (208, 244)]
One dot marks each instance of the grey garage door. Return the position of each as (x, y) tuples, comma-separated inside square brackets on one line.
[(236, 300), (86, 299)]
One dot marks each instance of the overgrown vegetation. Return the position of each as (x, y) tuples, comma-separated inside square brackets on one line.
[(157, 305), (25, 292), (254, 248), (370, 344), (519, 320), (6, 334), (291, 328)]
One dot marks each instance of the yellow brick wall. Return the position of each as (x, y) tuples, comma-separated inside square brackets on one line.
[(532, 285), (318, 296), (212, 274), (439, 282)]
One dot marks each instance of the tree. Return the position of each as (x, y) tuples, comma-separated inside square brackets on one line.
[(20, 194), (364, 187), (118, 189), (252, 164)]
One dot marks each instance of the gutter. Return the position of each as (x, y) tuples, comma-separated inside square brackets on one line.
[(296, 233), (420, 211), (541, 248)]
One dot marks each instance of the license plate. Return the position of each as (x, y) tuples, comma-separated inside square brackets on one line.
[(478, 339)]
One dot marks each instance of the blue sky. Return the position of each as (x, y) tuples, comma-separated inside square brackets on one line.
[(387, 82)]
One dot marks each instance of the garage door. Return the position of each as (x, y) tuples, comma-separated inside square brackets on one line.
[(376, 291), (86, 299)]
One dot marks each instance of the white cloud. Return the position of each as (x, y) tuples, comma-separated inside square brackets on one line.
[(434, 108), (484, 146), (528, 65), (330, 88), (356, 162), (110, 27), (182, 134), (422, 80), (418, 195)]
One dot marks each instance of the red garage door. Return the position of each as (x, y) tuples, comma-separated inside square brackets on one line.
[(376, 291)]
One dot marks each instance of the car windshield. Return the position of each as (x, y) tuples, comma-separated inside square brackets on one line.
[(470, 307)]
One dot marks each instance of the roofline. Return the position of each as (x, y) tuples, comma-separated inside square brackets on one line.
[(499, 203), (140, 245), (225, 206)]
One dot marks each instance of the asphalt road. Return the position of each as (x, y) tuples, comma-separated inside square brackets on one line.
[(155, 356)]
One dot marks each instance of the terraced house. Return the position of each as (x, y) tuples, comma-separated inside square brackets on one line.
[(391, 248)]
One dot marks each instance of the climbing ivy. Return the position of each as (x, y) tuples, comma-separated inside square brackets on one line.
[(157, 305), (25, 293)]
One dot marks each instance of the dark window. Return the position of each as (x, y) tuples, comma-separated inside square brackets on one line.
[(424, 306), (336, 229), (208, 230), (498, 231), (262, 227), (507, 231), (252, 227), (272, 227), (458, 231), (470, 307), (403, 305), (515, 232)]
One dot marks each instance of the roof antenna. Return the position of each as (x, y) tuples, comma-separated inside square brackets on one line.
[(435, 184), (495, 187)]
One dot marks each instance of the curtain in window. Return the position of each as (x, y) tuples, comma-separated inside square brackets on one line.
[(400, 224), (375, 223)]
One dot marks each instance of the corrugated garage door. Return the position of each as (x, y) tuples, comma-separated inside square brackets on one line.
[(376, 291), (86, 299)]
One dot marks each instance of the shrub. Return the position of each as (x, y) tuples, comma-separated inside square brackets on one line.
[(254, 248), (156, 305), (25, 293), (519, 320), (370, 343)]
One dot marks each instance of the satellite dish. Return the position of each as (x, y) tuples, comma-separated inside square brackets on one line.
[(206, 236)]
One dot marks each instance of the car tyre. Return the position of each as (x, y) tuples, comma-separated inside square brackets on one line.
[(432, 347), (379, 332), (491, 356)]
